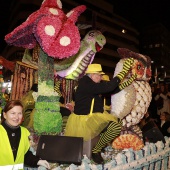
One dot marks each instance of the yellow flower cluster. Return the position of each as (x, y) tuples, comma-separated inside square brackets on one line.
[(45, 90)]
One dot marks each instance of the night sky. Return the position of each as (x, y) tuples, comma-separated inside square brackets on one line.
[(139, 12), (142, 13), (4, 16)]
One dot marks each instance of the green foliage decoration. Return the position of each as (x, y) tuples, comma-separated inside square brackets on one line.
[(47, 118)]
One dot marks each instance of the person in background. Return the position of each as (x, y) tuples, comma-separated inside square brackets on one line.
[(89, 118), (162, 96), (164, 124), (152, 109), (146, 119), (16, 152)]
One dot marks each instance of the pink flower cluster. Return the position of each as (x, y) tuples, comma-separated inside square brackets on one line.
[(55, 32)]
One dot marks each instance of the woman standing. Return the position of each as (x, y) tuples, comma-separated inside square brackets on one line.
[(15, 139), (162, 95)]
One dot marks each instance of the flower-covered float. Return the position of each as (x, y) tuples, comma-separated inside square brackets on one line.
[(128, 151), (57, 36)]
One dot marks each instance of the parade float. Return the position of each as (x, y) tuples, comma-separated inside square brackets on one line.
[(49, 34)]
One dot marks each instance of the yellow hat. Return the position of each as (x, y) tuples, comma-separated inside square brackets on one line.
[(105, 78), (94, 68)]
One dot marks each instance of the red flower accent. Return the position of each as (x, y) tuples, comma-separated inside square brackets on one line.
[(148, 72)]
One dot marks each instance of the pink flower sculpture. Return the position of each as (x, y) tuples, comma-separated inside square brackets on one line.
[(56, 32)]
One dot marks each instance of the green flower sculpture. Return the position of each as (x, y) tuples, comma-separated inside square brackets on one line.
[(47, 117)]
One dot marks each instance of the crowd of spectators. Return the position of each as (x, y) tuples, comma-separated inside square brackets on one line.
[(159, 108)]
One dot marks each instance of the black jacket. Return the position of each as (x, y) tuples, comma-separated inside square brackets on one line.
[(164, 128), (88, 89)]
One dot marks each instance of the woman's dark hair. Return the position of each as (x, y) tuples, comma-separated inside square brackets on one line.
[(12, 104)]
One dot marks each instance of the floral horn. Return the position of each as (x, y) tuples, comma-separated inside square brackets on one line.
[(75, 12)]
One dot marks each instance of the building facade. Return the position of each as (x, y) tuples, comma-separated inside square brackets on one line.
[(155, 42)]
